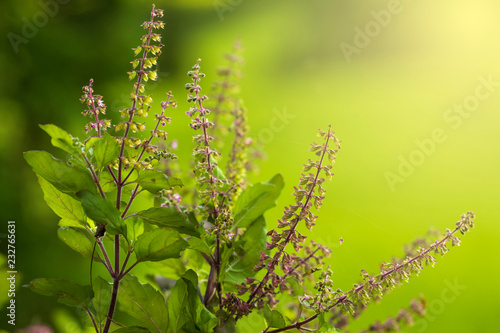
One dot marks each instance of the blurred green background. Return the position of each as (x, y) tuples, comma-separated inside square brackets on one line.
[(416, 68)]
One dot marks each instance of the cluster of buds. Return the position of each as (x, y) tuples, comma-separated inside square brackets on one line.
[(310, 192), (235, 306), (405, 317), (205, 156), (143, 71), (393, 274), (95, 106)]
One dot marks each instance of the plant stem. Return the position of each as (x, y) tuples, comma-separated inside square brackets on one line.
[(132, 197), (107, 263), (112, 305), (94, 176)]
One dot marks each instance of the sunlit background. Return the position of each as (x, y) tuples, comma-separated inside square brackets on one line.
[(412, 88)]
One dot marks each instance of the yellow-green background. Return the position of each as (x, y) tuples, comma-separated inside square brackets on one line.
[(395, 91)]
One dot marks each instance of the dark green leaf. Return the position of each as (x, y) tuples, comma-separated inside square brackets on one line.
[(102, 211), (248, 249), (77, 241), (168, 218), (61, 139), (255, 200), (62, 204), (183, 303), (154, 181), (102, 297), (106, 150), (159, 244), (66, 179), (133, 329), (69, 293), (143, 303)]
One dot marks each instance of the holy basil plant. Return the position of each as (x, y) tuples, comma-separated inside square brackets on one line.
[(199, 256)]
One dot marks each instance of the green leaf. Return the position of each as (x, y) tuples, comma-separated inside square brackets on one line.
[(77, 241), (107, 181), (102, 211), (248, 249), (143, 303), (133, 329), (297, 289), (135, 228), (154, 181), (199, 245), (159, 244), (90, 142), (254, 322), (69, 292), (183, 303), (206, 320), (324, 325), (102, 297), (66, 179), (255, 200), (106, 150), (67, 208), (168, 218), (61, 139), (274, 318)]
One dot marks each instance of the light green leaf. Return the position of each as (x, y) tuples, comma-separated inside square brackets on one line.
[(248, 249), (69, 292), (143, 303), (274, 318), (107, 182), (135, 228), (62, 204), (77, 241), (325, 326), (102, 297), (255, 200), (154, 181), (159, 244), (61, 139), (102, 211), (297, 288), (66, 179), (199, 245), (168, 218), (106, 150)]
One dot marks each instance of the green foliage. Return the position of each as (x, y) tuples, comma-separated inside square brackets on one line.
[(77, 241), (68, 209), (69, 293), (255, 200), (143, 303), (168, 218), (102, 211), (106, 150), (65, 178), (209, 236), (158, 245), (154, 181)]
